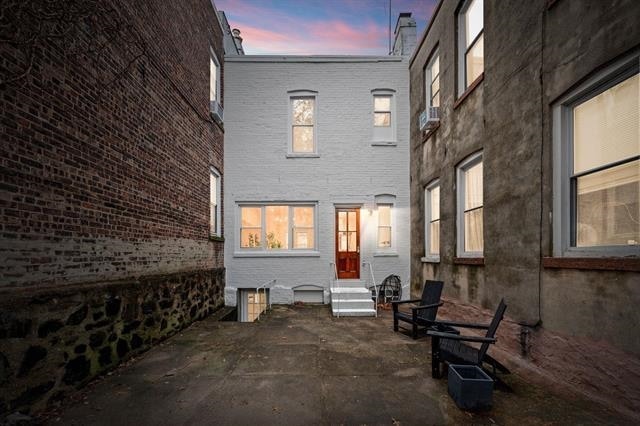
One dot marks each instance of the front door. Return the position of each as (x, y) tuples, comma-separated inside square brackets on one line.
[(348, 243)]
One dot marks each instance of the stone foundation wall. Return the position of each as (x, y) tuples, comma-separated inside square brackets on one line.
[(53, 342)]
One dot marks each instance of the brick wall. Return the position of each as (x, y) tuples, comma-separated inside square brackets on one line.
[(349, 169), (105, 180), (106, 147)]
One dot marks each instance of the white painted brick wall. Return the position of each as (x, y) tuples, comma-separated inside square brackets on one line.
[(349, 169)]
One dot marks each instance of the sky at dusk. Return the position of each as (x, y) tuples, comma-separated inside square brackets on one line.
[(320, 27)]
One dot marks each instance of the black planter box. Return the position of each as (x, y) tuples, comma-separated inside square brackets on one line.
[(470, 387)]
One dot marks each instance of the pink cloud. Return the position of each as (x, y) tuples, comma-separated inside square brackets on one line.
[(340, 34)]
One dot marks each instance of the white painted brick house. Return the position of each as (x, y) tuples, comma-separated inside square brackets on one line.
[(316, 175)]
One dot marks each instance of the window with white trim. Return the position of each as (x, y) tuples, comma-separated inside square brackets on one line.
[(597, 165), (384, 119), (470, 207), (302, 119), (215, 98), (215, 226), (470, 43), (432, 81), (277, 227), (384, 225), (432, 220)]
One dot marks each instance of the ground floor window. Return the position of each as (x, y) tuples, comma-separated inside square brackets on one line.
[(432, 220), (275, 227), (470, 207), (597, 164)]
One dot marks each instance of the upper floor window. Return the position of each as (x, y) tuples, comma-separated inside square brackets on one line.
[(302, 116), (470, 43), (276, 227), (597, 164), (470, 207), (214, 203), (432, 81), (432, 220), (215, 98), (383, 115)]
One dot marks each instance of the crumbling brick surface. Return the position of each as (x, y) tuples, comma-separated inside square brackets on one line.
[(569, 364)]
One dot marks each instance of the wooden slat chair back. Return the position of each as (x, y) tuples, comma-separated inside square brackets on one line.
[(430, 296), (491, 331)]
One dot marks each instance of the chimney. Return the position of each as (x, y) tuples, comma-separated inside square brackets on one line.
[(237, 40), (405, 35), (231, 40)]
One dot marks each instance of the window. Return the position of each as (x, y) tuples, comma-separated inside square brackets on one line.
[(302, 116), (470, 43), (384, 225), (470, 206), (432, 221), (383, 115), (432, 81), (597, 165), (277, 227), (382, 111), (214, 203), (215, 98)]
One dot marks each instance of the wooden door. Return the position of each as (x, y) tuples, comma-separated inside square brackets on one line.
[(348, 243)]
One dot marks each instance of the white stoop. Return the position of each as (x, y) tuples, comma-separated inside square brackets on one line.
[(350, 298)]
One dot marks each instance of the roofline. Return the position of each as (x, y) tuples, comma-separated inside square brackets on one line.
[(424, 33), (312, 58), (215, 11)]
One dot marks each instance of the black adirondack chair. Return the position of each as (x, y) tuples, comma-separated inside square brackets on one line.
[(422, 315), (449, 347)]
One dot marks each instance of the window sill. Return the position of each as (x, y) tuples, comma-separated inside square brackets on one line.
[(430, 259), (478, 261), (385, 254), (384, 143), (284, 253), (216, 238), (310, 155), (468, 91), (603, 264), (430, 132)]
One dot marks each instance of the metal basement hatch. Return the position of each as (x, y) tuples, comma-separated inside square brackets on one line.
[(310, 294)]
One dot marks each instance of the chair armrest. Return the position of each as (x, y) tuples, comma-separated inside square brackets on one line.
[(462, 324), (479, 339), (433, 305), (399, 302)]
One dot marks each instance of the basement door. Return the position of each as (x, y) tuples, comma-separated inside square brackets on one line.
[(348, 243)]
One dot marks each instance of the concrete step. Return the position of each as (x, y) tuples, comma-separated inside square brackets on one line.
[(352, 304), (354, 312), (349, 284), (360, 290), (350, 295)]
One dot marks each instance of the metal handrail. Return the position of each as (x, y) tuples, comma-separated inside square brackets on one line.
[(263, 286), (335, 280), (373, 280)]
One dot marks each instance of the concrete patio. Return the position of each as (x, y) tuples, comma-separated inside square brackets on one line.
[(299, 365)]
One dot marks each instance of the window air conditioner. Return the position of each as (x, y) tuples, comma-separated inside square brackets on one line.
[(216, 109), (429, 118)]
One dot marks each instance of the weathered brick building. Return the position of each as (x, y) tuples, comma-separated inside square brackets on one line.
[(500, 205), (110, 186)]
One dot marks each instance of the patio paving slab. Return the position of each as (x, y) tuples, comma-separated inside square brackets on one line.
[(300, 365)]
